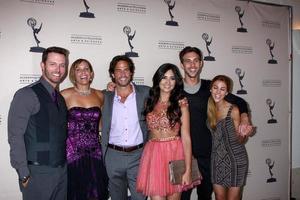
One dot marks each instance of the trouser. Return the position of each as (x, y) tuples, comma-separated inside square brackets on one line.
[(122, 169), (204, 190), (46, 183)]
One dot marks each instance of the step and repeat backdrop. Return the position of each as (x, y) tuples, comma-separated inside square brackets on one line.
[(248, 41)]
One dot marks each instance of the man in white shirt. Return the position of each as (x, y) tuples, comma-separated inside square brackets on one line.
[(124, 129)]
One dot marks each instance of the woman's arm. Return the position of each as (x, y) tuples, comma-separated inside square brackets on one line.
[(235, 114), (100, 96), (245, 127), (67, 93), (186, 141)]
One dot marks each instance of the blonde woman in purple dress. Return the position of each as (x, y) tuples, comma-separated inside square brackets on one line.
[(87, 178)]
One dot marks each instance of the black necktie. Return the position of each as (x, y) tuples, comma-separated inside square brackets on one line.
[(54, 97)]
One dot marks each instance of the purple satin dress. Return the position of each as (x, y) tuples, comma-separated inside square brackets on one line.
[(87, 178)]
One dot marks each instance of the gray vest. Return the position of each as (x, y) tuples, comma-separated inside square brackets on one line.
[(45, 136)]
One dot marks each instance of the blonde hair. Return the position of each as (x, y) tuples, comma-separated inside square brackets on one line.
[(74, 65), (211, 113), (211, 106)]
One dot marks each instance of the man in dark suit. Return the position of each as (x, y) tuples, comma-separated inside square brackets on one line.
[(37, 123), (124, 129)]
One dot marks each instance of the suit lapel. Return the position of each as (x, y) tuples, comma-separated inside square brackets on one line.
[(110, 102), (139, 101)]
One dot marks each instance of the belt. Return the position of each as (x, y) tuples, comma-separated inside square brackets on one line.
[(125, 149), (35, 163), (165, 139)]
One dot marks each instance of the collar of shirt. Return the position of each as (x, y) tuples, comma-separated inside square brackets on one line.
[(125, 128), (191, 89), (129, 97), (47, 85)]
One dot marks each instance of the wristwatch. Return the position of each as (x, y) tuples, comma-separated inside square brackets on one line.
[(24, 179)]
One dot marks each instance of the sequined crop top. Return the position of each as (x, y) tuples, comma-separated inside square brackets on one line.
[(158, 122)]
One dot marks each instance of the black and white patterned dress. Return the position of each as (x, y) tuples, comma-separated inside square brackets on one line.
[(229, 159)]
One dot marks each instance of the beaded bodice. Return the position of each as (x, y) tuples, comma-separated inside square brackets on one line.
[(83, 139), (158, 122)]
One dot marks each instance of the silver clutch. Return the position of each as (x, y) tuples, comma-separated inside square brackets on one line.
[(177, 169)]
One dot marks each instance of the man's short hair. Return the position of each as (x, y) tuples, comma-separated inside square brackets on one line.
[(189, 49), (54, 49), (114, 62)]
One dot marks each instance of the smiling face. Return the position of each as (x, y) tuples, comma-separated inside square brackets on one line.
[(219, 90), (192, 65), (54, 68), (167, 82), (83, 73), (122, 74)]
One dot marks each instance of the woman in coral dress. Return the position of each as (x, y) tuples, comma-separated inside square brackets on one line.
[(167, 117)]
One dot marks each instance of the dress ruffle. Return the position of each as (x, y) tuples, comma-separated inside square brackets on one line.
[(153, 176)]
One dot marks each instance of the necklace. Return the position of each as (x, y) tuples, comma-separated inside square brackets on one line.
[(163, 102), (84, 92)]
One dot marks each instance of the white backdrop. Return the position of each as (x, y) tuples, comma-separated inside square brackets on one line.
[(100, 38)]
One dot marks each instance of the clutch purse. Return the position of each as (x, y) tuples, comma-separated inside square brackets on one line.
[(177, 169)]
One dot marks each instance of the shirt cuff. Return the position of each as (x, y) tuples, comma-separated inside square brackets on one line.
[(22, 172)]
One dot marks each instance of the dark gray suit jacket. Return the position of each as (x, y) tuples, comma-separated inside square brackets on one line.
[(142, 93)]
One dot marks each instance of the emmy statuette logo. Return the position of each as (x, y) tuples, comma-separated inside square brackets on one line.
[(32, 23), (271, 107), (270, 166), (171, 7), (240, 14), (127, 31), (271, 47), (205, 37), (86, 14), (238, 72)]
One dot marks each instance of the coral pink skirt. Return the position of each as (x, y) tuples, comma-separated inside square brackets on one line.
[(153, 176)]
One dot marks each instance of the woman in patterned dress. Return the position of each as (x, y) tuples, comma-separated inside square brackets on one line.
[(87, 178), (229, 159), (167, 117)]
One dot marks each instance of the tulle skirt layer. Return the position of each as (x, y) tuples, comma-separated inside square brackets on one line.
[(153, 176)]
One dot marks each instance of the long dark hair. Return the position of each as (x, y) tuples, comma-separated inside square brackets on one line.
[(173, 111)]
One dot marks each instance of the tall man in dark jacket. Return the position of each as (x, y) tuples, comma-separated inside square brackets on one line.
[(37, 123)]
